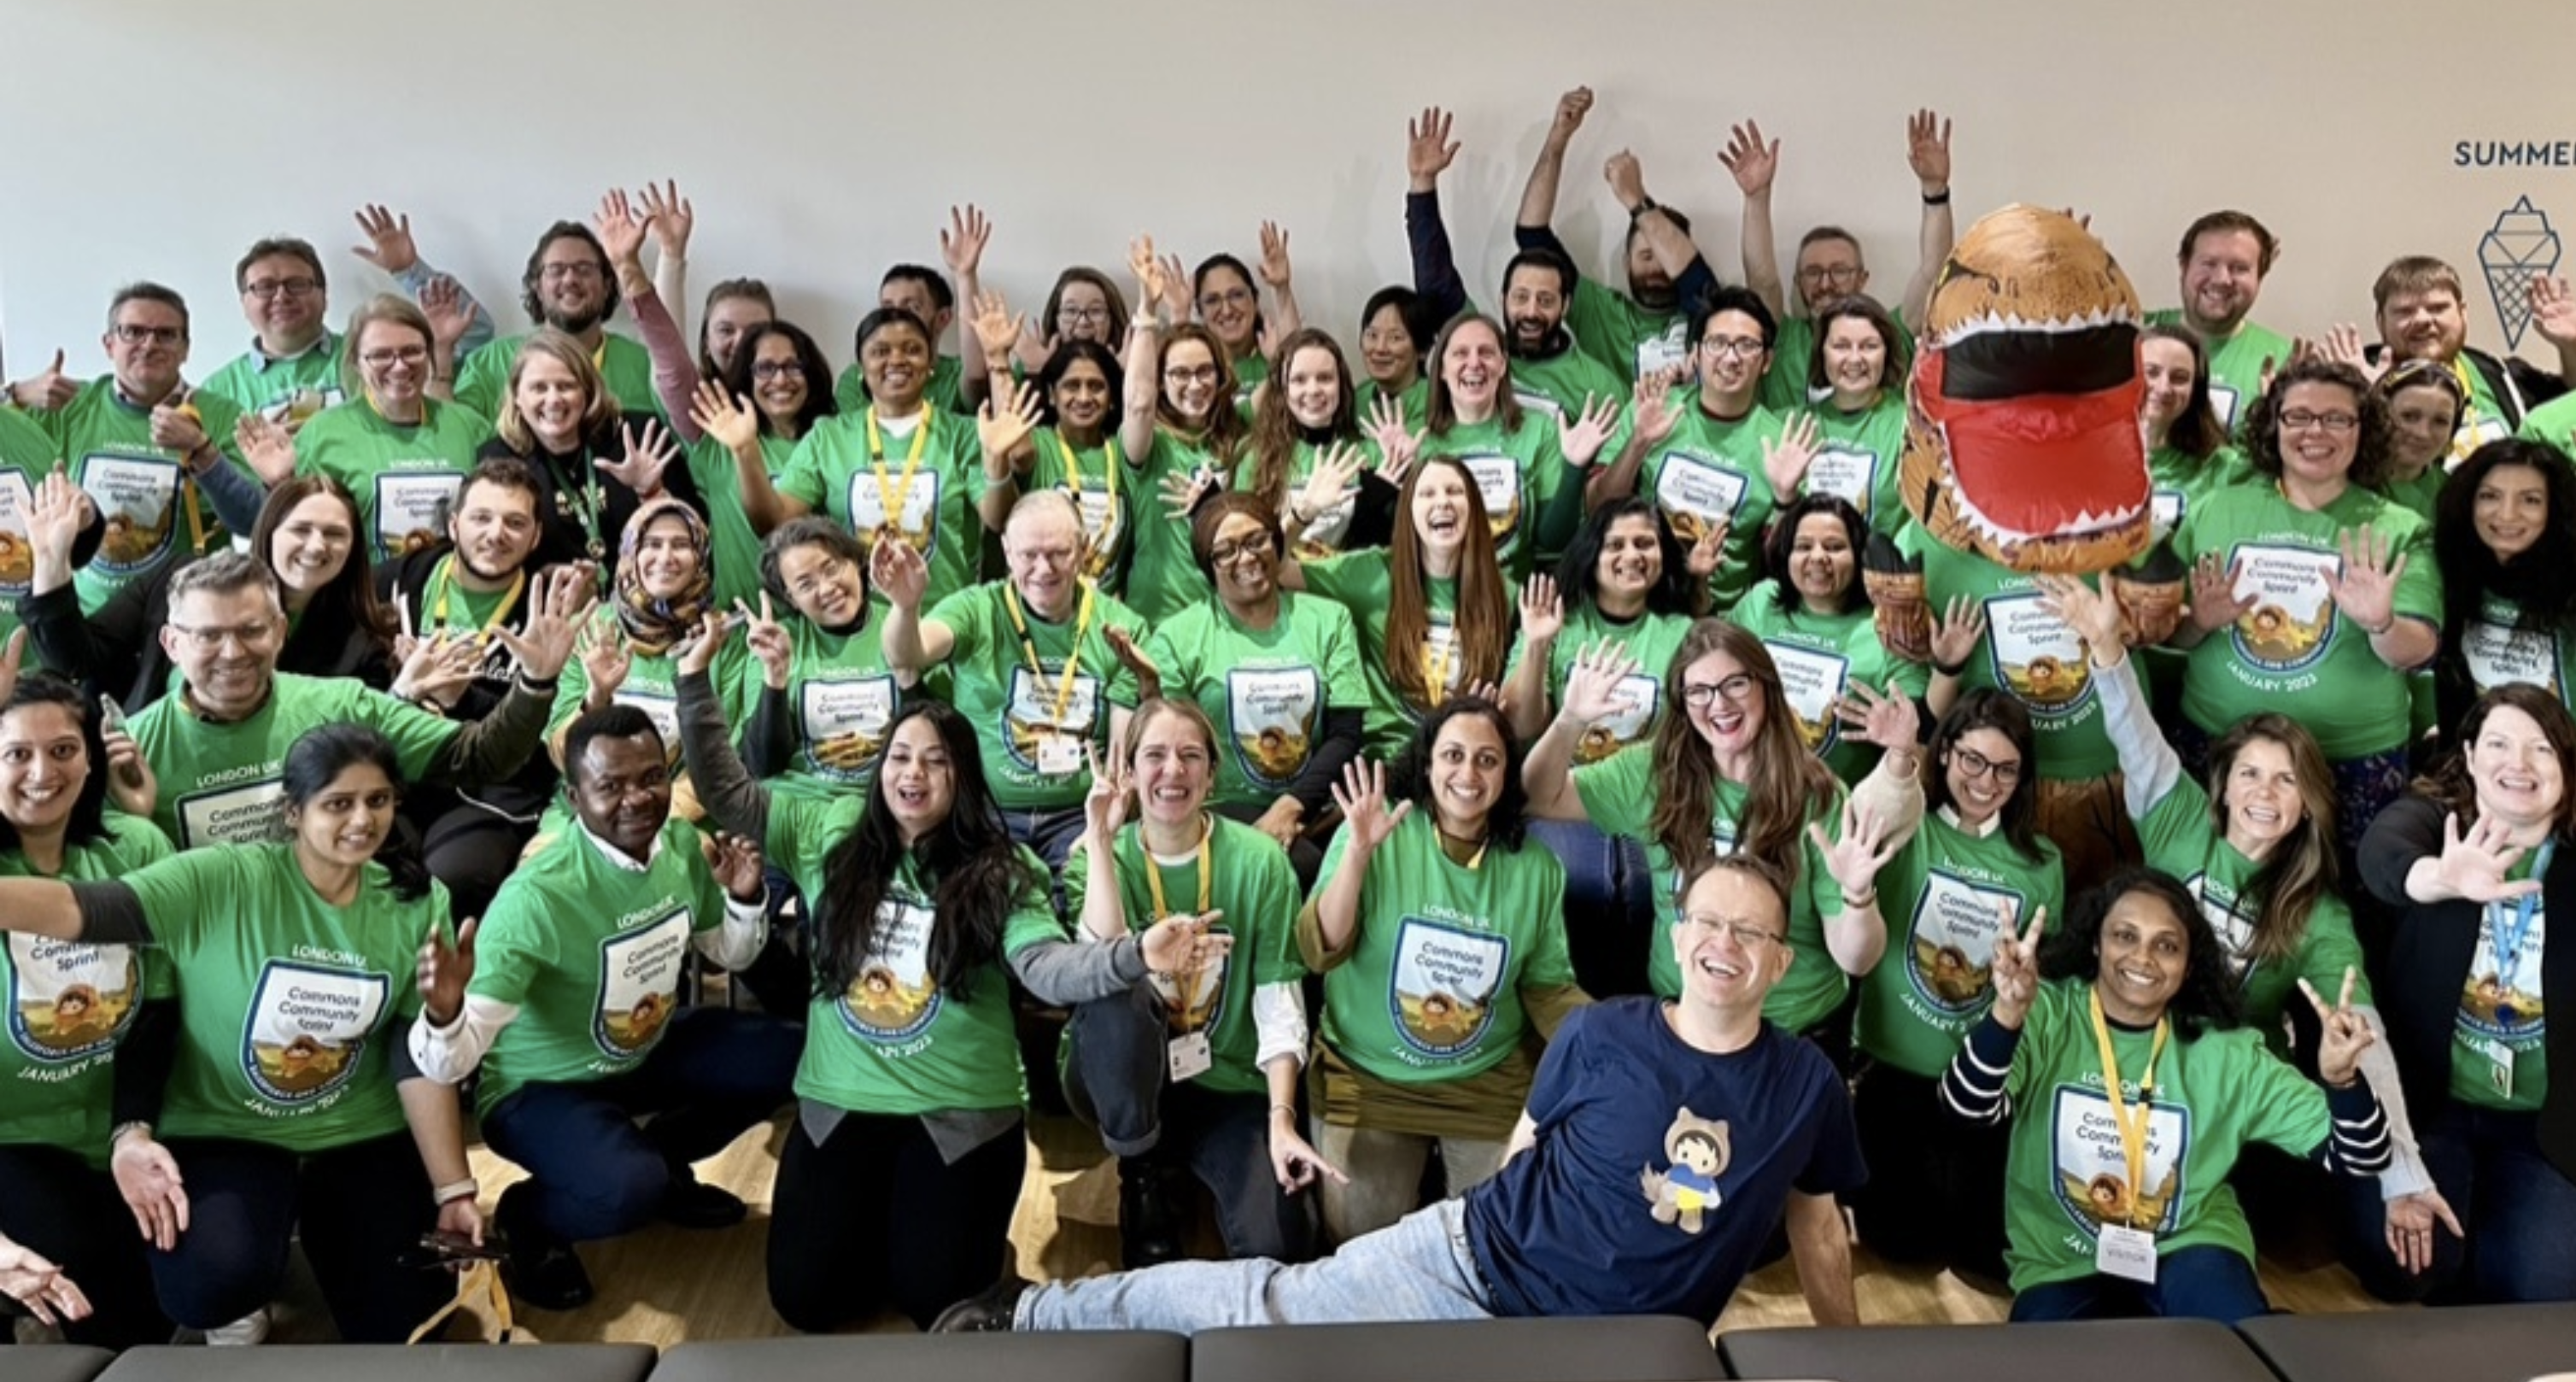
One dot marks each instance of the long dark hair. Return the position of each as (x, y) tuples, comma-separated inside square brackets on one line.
[(322, 755), (1788, 783), (2207, 1000), (1508, 821), (349, 600), (87, 824), (2300, 872), (818, 403), (1988, 707), (2537, 581), (2196, 432), (1578, 573), (1782, 541), (2449, 785), (1102, 358), (980, 876), (1275, 430), (1480, 619), (1225, 433)]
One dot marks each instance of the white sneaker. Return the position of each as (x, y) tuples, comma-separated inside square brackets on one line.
[(249, 1329)]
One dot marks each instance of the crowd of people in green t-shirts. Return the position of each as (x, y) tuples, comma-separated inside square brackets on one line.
[(1258, 736)]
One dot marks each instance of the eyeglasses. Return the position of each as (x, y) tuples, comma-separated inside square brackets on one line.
[(1231, 297), (766, 370), (557, 273), (1191, 374), (267, 288), (1082, 314), (1226, 553), (1840, 275), (1746, 936), (132, 334), (1974, 764), (399, 355), (2300, 420), (1744, 347), (1732, 690), (250, 637)]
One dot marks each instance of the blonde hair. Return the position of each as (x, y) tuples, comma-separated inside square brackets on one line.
[(569, 353)]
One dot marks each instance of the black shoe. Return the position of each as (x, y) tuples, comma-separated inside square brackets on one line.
[(540, 1269), (989, 1311), (1149, 1218), (692, 1203)]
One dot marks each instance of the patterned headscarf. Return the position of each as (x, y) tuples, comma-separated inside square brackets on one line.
[(654, 625)]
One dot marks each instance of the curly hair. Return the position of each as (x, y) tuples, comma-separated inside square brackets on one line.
[(2262, 427), (2207, 1000), (1410, 776)]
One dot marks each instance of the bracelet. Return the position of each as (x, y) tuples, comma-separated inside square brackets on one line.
[(1950, 669), (1940, 198), (126, 1127), (1644, 205), (1868, 899), (455, 1190), (1289, 1109), (538, 686), (2384, 628)]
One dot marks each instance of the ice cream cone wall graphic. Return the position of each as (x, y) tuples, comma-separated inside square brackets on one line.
[(2518, 248)]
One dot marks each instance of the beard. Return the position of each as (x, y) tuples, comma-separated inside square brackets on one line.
[(574, 324)]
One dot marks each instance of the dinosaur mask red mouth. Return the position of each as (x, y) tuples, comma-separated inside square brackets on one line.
[(2031, 468)]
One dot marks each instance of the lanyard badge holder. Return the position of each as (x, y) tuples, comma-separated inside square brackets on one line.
[(2126, 1250), (2509, 929), (1189, 1054)]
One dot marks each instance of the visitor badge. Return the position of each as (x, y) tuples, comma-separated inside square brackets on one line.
[(2128, 1253), (1190, 1056), (1059, 755), (2499, 1059)]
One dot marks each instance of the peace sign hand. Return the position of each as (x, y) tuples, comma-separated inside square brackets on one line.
[(768, 641), (2016, 968), (2344, 1033), (1104, 808), (445, 970)]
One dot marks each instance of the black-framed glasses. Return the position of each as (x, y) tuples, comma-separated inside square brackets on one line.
[(1974, 764), (1733, 690)]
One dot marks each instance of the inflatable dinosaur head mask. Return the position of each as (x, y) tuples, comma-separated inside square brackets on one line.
[(2021, 437)]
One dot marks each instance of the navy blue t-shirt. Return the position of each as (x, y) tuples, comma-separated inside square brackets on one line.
[(1660, 1170)]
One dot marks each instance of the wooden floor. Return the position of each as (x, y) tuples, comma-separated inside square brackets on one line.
[(667, 1286)]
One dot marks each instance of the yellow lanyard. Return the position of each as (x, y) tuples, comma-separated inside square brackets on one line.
[(1437, 656), (891, 494), (1185, 1010), (443, 581), (2133, 1131), (1106, 539), (1072, 653), (188, 482)]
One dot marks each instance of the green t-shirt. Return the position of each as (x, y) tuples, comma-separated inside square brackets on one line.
[(70, 1004), (2483, 420), (2499, 1039), (2180, 484), (1633, 341), (404, 478), (1415, 401), (1107, 487), (895, 1043), (2177, 836), (1533, 499), (652, 685), (1618, 793), (2212, 1097), (841, 703), (1857, 459), (2553, 422), (2033, 655), (2294, 648), (1952, 894), (2417, 494), (1325, 533), (1023, 712), (289, 1007), (1163, 576), (1710, 471), (2497, 651), (1565, 385), (1819, 657), (1652, 639), (2236, 363), (137, 487), (1249, 879), (589, 949), (736, 546), (27, 456), (483, 380), (1362, 583), (1431, 991), (1266, 690), (930, 482), (226, 784), (283, 388), (946, 391), (1793, 353)]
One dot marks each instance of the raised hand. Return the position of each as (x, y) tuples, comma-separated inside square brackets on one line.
[(1386, 428), (1428, 149), (649, 454), (1927, 150), (2214, 601), (1003, 431), (268, 448), (1752, 162), (768, 640), (1651, 410), (1104, 807), (1626, 177), (49, 391), (1854, 858), (389, 244), (2342, 1033), (2410, 1228), (1581, 438), (1182, 945), (1275, 268), (1596, 685), (621, 232), (1542, 610), (1361, 794), (56, 513), (176, 424), (2094, 616), (1570, 110), (131, 787), (1149, 677), (1785, 462), (450, 310), (2553, 310), (1182, 491), (696, 651), (12, 657), (2473, 864), (671, 216), (1888, 721), (728, 419), (996, 330), (1176, 288), (2364, 587), (1337, 469), (443, 972), (147, 1178), (1956, 631), (2015, 969), (1294, 1161), (1708, 551), (961, 245), (735, 861), (1148, 270), (2343, 344), (559, 603), (899, 571), (438, 668), (33, 1281)]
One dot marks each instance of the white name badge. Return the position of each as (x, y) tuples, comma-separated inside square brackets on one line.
[(2499, 1058), (1059, 755), (2127, 1253), (1191, 1056)]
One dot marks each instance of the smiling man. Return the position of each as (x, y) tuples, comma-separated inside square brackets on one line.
[(2223, 260), (1734, 1122), (2423, 315), (568, 285)]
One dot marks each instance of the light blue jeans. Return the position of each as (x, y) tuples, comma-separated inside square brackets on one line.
[(1420, 1269)]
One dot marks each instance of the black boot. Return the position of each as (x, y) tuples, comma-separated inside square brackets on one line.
[(1149, 1212), (541, 1269)]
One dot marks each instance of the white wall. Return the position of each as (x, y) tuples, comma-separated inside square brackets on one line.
[(821, 141)]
